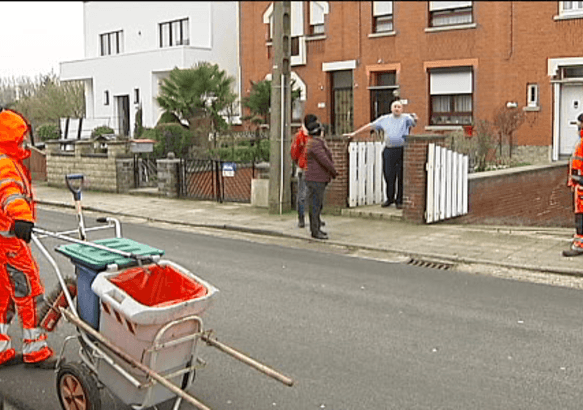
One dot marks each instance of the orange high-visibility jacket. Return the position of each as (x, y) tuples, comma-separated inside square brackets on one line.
[(16, 197)]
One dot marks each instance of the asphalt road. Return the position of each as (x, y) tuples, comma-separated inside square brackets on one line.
[(354, 333)]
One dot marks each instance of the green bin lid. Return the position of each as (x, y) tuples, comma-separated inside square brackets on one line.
[(98, 259)]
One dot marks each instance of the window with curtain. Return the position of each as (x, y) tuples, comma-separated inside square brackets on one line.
[(451, 94), (174, 33), (382, 15), (318, 9), (111, 43), (450, 13)]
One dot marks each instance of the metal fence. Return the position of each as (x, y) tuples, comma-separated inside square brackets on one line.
[(145, 172), (215, 180)]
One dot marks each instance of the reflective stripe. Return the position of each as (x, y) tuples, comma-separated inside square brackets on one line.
[(10, 180), (34, 340), (6, 234), (13, 198), (32, 334), (5, 343)]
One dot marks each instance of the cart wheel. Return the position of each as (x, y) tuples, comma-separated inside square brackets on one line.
[(77, 388)]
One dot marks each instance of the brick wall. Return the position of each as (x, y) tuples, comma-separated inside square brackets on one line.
[(509, 47), (102, 171), (528, 196), (336, 196), (415, 175)]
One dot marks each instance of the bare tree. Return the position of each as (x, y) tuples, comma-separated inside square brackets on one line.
[(506, 121)]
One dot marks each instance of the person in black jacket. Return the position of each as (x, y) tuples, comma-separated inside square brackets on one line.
[(319, 173)]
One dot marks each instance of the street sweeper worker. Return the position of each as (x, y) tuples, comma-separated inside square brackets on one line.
[(20, 283), (575, 182)]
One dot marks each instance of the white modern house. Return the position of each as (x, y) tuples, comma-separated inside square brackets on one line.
[(131, 46)]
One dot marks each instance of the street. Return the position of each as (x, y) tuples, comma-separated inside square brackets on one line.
[(354, 333)]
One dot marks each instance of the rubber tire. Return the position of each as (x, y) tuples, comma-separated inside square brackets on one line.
[(78, 385)]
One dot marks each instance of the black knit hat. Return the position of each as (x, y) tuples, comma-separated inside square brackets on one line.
[(314, 128)]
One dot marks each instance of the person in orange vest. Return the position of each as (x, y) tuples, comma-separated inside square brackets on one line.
[(20, 283), (298, 155), (575, 181)]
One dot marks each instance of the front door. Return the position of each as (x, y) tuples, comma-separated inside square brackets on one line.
[(123, 112), (571, 107), (343, 109)]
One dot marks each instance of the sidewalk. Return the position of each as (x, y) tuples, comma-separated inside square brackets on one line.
[(370, 228)]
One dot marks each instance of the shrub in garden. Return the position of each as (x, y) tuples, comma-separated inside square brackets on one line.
[(48, 132), (101, 130)]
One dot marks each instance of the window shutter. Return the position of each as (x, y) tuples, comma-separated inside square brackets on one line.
[(382, 8), (317, 11), (453, 82), (447, 5)]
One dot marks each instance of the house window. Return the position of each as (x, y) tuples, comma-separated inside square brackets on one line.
[(382, 13), (532, 95), (450, 13), (106, 98), (111, 43), (174, 33), (318, 9), (382, 93), (136, 95), (451, 92), (570, 8)]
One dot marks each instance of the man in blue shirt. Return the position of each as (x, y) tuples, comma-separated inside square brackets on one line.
[(395, 127)]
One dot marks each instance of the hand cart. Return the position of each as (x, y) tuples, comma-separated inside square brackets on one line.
[(144, 354)]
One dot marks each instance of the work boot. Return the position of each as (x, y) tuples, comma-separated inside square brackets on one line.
[(319, 235), (47, 364), (13, 361), (574, 251), (301, 223)]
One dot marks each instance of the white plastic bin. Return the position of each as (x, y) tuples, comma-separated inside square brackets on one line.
[(132, 327)]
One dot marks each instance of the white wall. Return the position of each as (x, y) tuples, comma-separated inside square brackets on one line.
[(214, 31)]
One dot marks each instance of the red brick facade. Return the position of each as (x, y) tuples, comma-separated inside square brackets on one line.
[(508, 45)]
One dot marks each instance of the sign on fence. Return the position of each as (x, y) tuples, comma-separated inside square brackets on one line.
[(229, 169), (447, 184)]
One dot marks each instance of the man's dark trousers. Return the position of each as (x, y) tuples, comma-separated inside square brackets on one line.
[(315, 201), (393, 169)]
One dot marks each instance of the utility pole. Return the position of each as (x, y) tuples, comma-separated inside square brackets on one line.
[(280, 138)]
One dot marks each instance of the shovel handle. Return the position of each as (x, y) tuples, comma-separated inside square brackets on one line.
[(75, 191)]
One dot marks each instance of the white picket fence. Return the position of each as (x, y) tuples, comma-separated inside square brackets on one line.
[(366, 185), (447, 184)]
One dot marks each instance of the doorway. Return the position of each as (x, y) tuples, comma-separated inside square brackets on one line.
[(342, 99), (123, 114), (571, 106)]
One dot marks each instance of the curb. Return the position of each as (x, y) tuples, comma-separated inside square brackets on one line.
[(430, 257)]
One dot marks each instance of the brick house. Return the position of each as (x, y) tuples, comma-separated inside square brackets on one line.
[(452, 63)]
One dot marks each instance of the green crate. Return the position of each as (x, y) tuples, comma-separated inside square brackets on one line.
[(98, 259)]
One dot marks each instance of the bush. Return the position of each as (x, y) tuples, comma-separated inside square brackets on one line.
[(171, 138), (243, 153), (101, 130), (48, 132)]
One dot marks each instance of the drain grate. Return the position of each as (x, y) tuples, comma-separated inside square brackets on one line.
[(430, 264)]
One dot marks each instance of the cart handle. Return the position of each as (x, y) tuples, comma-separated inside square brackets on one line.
[(75, 191)]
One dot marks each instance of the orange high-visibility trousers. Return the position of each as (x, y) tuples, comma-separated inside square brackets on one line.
[(20, 284)]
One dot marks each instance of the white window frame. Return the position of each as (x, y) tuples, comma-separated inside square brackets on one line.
[(382, 11), (450, 9), (451, 87), (532, 96), (318, 11), (297, 30), (577, 10), (111, 43), (174, 33)]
